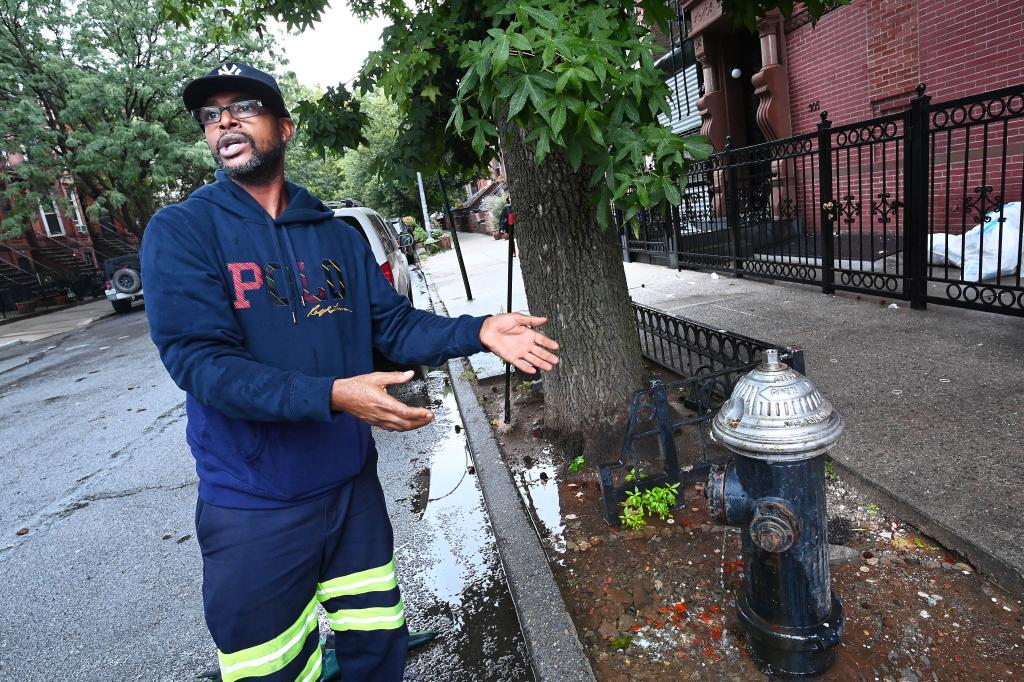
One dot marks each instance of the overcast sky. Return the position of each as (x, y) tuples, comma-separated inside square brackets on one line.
[(334, 50)]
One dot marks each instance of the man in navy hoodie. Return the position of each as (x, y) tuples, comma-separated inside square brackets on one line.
[(266, 310)]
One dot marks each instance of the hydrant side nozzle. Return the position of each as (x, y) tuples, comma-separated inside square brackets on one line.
[(775, 526), (728, 502)]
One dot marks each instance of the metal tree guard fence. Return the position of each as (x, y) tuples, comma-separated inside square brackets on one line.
[(922, 205), (710, 362)]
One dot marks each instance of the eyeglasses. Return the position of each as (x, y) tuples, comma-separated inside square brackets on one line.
[(245, 109)]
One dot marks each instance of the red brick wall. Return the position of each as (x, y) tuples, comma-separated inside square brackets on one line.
[(970, 46), (864, 59), (828, 67), (893, 53)]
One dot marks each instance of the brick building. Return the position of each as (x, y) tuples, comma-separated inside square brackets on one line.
[(859, 61), (62, 250)]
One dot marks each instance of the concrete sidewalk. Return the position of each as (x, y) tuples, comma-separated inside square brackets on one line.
[(933, 399), (35, 327)]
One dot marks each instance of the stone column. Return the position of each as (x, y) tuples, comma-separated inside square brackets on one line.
[(771, 85), (711, 107)]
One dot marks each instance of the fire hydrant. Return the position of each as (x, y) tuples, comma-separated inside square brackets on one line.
[(780, 426)]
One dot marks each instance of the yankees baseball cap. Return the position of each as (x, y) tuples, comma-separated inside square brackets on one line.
[(236, 76)]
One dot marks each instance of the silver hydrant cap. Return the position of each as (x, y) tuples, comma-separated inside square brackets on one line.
[(776, 413)]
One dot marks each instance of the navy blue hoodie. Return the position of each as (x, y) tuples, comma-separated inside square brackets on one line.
[(255, 318)]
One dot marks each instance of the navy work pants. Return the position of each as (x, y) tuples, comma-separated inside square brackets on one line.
[(266, 570)]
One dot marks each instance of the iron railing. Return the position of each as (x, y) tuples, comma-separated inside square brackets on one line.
[(921, 205)]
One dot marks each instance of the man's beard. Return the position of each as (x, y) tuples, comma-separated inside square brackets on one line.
[(261, 168)]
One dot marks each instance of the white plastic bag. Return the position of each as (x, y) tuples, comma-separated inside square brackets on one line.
[(999, 251), (1000, 254), (944, 248)]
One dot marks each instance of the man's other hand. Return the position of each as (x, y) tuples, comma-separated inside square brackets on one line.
[(365, 397), (512, 337)]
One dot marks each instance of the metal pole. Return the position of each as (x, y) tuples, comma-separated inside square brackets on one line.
[(828, 206), (508, 308), (455, 237), (426, 216), (915, 179)]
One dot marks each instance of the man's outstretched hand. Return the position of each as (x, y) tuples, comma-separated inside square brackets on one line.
[(512, 337), (365, 397)]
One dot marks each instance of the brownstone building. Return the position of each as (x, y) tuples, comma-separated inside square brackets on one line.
[(859, 61), (61, 252), (878, 150)]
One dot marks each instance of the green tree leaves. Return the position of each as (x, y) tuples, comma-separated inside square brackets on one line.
[(91, 91), (577, 76), (592, 91)]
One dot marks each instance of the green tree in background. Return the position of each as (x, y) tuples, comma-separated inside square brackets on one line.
[(90, 92), (319, 172), (363, 173)]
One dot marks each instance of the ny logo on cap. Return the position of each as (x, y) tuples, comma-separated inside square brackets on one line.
[(229, 70)]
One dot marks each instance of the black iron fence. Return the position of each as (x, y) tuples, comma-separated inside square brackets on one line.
[(923, 205)]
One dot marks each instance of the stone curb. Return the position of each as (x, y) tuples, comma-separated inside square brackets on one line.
[(555, 651)]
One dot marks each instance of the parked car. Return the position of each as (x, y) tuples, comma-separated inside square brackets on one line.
[(383, 241), (123, 281)]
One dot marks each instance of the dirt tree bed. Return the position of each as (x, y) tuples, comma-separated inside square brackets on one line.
[(659, 603)]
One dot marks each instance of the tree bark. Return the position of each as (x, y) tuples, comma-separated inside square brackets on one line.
[(573, 276)]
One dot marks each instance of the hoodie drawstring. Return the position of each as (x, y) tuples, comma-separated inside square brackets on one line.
[(296, 274), (285, 268)]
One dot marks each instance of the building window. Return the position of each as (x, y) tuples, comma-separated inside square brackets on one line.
[(51, 219), (79, 218), (685, 80)]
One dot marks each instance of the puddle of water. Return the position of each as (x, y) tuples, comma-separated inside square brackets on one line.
[(457, 579), (538, 485)]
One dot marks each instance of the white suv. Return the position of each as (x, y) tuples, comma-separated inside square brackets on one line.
[(383, 242)]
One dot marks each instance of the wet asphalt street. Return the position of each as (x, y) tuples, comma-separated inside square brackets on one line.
[(99, 570)]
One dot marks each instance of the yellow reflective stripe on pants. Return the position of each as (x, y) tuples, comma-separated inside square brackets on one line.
[(311, 672), (379, 579), (272, 656), (377, 618)]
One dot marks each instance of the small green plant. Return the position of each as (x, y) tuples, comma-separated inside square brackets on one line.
[(420, 235), (872, 508), (621, 643), (635, 475), (659, 500), (632, 517), (830, 472), (468, 373), (577, 463), (639, 505), (522, 390)]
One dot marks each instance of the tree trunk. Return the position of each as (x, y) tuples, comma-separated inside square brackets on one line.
[(574, 276)]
